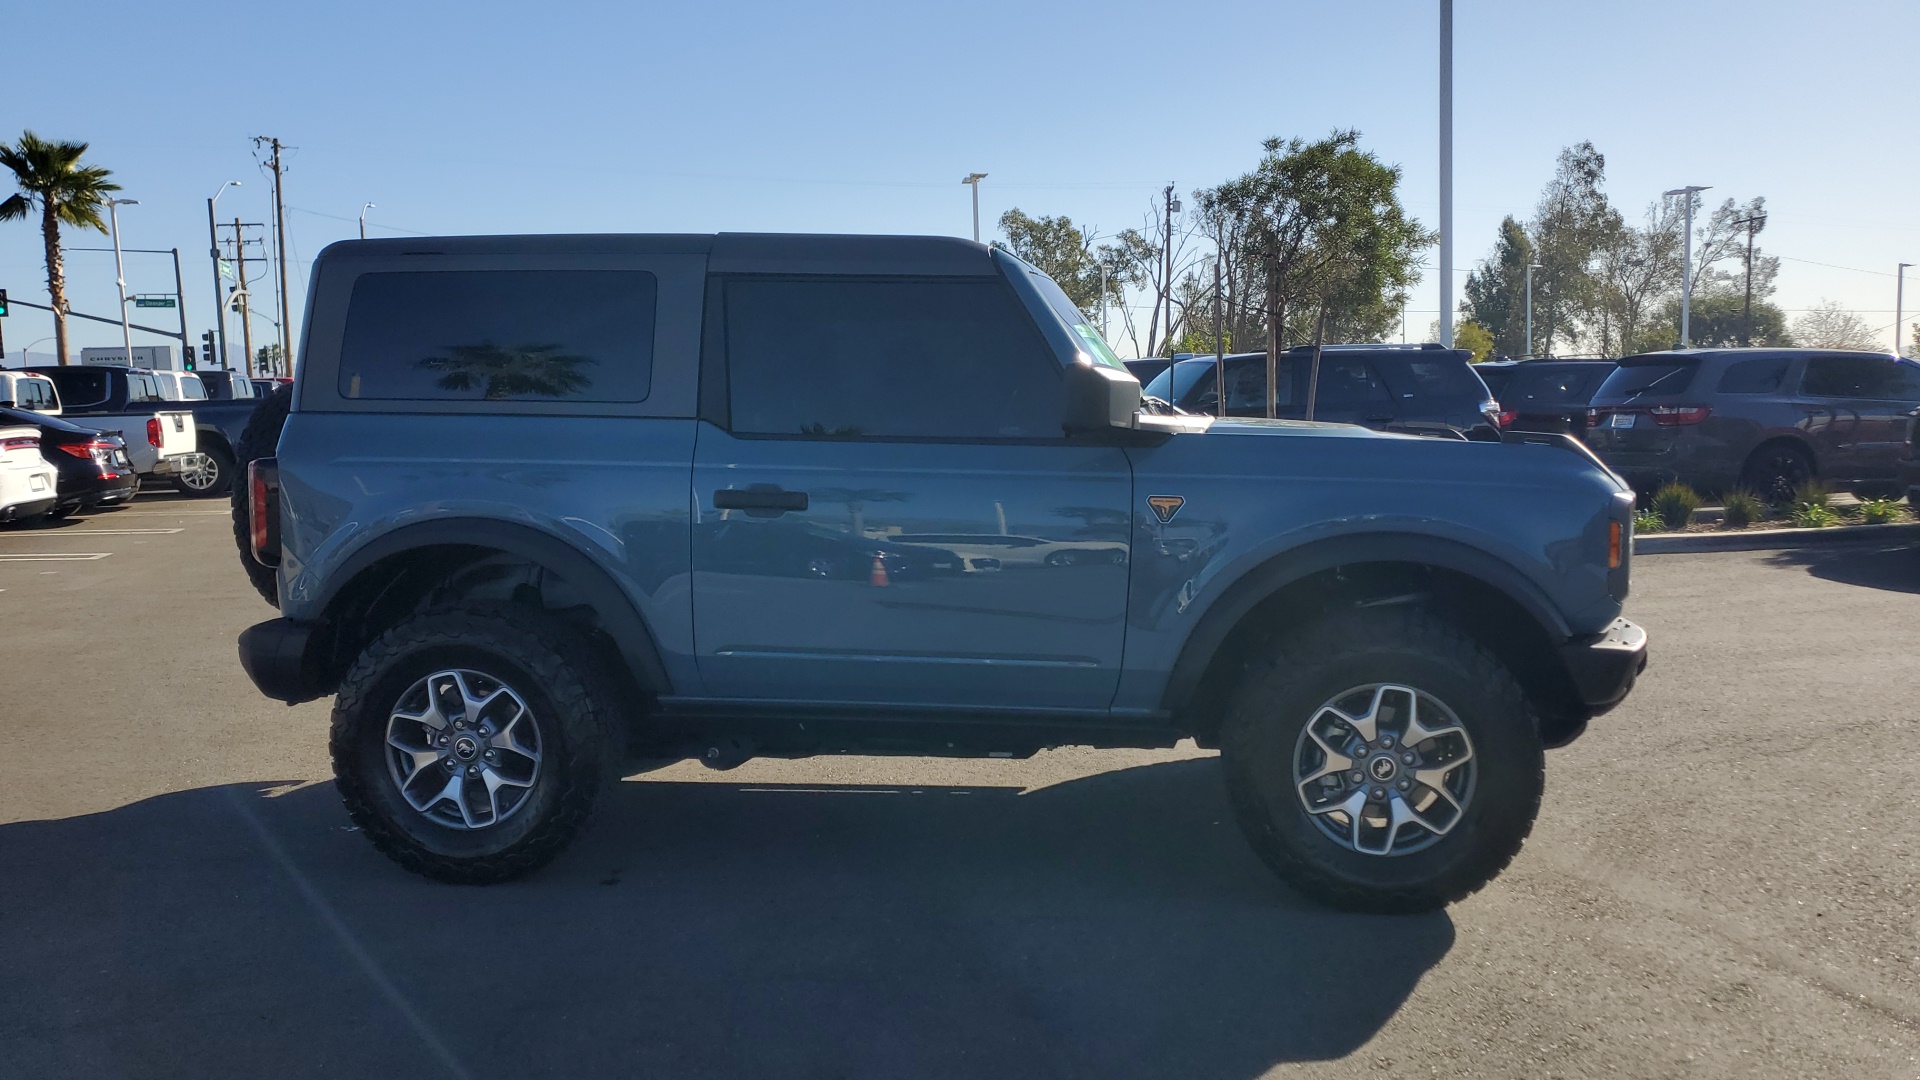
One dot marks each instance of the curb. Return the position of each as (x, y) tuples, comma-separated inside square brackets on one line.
[(1764, 539)]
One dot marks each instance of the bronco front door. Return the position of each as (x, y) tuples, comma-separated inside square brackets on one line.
[(887, 512)]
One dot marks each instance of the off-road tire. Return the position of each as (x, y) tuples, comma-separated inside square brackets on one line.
[(558, 674), (260, 438), (223, 477), (1287, 681)]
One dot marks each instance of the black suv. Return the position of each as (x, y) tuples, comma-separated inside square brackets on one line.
[(1419, 388), (1544, 395), (1764, 419)]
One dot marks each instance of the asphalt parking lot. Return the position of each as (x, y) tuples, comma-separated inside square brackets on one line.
[(1723, 882)]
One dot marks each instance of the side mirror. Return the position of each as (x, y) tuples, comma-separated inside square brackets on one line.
[(1100, 398)]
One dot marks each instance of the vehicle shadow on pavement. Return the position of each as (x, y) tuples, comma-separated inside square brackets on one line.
[(1895, 567), (1106, 927)]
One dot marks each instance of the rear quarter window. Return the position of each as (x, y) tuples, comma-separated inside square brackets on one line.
[(1762, 375), (1446, 377), (500, 335)]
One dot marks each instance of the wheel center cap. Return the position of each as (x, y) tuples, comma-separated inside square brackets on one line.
[(466, 748), (1382, 767)]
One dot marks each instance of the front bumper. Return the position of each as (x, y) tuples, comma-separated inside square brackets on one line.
[(282, 659), (1604, 666)]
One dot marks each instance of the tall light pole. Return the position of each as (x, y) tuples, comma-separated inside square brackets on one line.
[(369, 206), (973, 181), (120, 270), (219, 295), (1446, 174), (1686, 266), (1531, 267), (1899, 299)]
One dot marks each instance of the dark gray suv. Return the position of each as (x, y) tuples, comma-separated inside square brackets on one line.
[(1763, 419)]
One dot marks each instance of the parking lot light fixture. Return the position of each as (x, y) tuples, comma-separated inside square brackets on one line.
[(1899, 304), (1686, 263), (973, 181), (363, 220)]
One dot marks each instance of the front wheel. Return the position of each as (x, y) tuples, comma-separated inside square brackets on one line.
[(1776, 471), (1381, 760), (470, 743)]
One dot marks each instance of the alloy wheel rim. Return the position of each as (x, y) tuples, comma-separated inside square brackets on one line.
[(1384, 769), (463, 749), (198, 471)]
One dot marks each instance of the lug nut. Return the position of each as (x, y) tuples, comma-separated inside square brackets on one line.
[(1405, 784), (473, 770), (1387, 742), (1379, 793), (491, 755), (443, 740), (1356, 776), (1408, 758), (1360, 752)]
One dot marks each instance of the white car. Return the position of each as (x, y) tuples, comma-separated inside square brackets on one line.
[(28, 391), (27, 483)]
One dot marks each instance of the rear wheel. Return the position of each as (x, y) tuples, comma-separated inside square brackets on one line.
[(1775, 470), (1381, 760), (206, 474), (470, 744)]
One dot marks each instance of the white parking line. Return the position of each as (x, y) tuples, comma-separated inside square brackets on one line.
[(76, 534), (57, 556)]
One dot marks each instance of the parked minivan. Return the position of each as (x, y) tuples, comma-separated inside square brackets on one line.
[(1766, 420)]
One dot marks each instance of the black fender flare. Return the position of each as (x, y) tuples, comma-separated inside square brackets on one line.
[(618, 615), (1256, 585)]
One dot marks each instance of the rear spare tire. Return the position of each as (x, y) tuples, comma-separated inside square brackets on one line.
[(260, 439)]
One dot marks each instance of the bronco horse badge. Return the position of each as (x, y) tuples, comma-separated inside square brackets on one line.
[(1165, 506)]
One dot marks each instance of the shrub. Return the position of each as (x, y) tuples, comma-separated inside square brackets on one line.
[(1675, 504), (1813, 515), (1743, 508), (1646, 521), (1880, 511)]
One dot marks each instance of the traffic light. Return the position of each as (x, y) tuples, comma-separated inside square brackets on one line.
[(186, 358), (206, 348), (3, 303)]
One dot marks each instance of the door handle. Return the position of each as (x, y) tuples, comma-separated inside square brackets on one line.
[(759, 500)]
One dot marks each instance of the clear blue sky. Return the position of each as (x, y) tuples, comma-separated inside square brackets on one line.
[(860, 116)]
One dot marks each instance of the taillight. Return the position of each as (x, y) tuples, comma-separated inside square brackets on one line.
[(153, 432), (1507, 417), (1672, 415), (263, 511), (79, 450), (21, 442)]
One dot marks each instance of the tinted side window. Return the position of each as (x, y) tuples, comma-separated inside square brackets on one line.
[(81, 387), (934, 359), (191, 389), (1907, 386), (1851, 376), (500, 335), (1445, 378), (1348, 382), (1760, 376), (142, 389)]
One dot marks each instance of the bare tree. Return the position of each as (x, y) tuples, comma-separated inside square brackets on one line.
[(1830, 326)]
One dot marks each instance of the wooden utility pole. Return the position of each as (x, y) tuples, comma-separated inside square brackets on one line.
[(1754, 224), (240, 271), (280, 251)]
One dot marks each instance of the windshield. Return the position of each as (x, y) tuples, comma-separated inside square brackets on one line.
[(1091, 342), (1630, 381)]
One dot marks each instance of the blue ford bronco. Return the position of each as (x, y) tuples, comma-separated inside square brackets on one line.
[(540, 510)]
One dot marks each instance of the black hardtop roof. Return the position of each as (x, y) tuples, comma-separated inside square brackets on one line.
[(750, 253), (1667, 356), (1307, 350), (1534, 363)]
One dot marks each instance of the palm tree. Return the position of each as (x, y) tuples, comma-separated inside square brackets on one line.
[(51, 177)]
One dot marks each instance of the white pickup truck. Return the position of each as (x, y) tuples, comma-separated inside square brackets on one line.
[(129, 403)]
